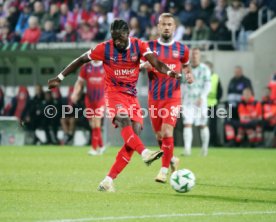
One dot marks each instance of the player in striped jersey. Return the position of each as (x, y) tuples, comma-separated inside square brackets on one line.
[(164, 92), (121, 59), (93, 75)]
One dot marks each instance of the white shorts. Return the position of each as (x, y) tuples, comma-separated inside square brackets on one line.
[(195, 115)]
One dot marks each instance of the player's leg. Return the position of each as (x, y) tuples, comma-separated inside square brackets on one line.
[(204, 129), (94, 136), (188, 120), (205, 138)]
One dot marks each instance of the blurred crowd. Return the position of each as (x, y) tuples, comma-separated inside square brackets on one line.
[(33, 21), (249, 119)]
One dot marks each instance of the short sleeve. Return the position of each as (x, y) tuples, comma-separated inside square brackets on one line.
[(144, 48), (186, 56), (97, 53)]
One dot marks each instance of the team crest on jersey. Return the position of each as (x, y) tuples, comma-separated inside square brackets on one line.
[(134, 57), (175, 54)]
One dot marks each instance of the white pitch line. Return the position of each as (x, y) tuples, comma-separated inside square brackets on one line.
[(163, 216)]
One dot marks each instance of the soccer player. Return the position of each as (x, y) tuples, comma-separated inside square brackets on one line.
[(195, 103), (121, 59), (164, 92), (92, 74)]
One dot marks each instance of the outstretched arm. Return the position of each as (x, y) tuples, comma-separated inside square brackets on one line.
[(160, 66), (73, 66)]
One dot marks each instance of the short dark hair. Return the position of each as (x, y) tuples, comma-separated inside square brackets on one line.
[(119, 24)]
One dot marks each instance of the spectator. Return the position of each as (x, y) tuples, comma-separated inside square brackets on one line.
[(188, 33), (235, 89), (64, 15), (134, 27), (201, 31), (249, 24), (269, 114), (87, 33), (68, 123), (173, 9), (69, 34), (235, 14), (218, 32), (143, 17), (12, 17), (157, 10), (39, 12), (2, 12), (272, 86), (125, 11), (188, 16), (93, 15), (220, 11), (250, 114), (153, 33), (19, 104), (206, 10), (249, 121), (53, 15), (103, 28), (32, 34), (35, 116), (48, 34), (179, 30), (50, 125), (22, 23), (6, 36), (213, 101)]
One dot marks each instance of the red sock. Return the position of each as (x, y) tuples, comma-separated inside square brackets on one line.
[(99, 133), (94, 138), (122, 159), (132, 140), (167, 147)]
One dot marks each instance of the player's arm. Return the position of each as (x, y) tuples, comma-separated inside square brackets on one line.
[(73, 66), (160, 66), (78, 88)]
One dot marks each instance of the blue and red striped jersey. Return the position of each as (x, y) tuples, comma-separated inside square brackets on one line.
[(93, 74), (122, 68), (173, 54)]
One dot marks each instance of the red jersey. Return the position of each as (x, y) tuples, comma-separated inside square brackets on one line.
[(173, 54), (94, 75), (122, 68)]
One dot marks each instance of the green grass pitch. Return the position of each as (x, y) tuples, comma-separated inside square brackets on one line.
[(58, 184)]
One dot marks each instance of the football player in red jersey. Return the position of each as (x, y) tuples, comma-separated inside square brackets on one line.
[(164, 92), (92, 74), (121, 59)]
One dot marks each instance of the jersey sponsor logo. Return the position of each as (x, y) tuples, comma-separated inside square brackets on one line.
[(124, 72), (175, 54), (95, 79), (113, 58), (134, 57)]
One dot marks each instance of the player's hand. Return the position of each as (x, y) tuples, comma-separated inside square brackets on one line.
[(53, 83), (174, 74), (189, 78), (74, 98)]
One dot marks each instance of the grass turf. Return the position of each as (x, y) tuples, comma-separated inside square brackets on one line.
[(55, 183)]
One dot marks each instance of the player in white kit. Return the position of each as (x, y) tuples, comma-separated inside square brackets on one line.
[(195, 108)]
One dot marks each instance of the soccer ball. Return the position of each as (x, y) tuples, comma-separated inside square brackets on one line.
[(182, 181)]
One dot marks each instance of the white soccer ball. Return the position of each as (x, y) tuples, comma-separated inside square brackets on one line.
[(182, 181)]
